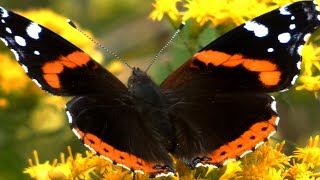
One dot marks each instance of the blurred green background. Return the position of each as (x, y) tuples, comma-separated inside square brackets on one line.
[(27, 122)]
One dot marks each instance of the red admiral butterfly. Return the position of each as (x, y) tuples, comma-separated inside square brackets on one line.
[(212, 109)]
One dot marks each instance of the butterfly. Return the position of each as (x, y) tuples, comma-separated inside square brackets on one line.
[(214, 108)]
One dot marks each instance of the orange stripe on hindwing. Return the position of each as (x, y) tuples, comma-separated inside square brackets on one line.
[(248, 141), (52, 69), (269, 74), (129, 161)]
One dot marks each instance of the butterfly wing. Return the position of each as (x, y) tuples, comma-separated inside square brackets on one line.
[(53, 63), (263, 54), (101, 114), (218, 100)]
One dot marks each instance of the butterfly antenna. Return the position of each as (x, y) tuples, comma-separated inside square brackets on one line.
[(166, 45), (100, 45)]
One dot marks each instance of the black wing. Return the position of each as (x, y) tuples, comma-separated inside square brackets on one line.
[(218, 100)]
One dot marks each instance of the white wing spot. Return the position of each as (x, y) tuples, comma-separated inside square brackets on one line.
[(318, 17), (294, 79), (277, 121), (259, 30), (4, 41), (306, 37), (258, 145), (292, 26), (270, 49), (8, 30), (4, 13), (69, 117), (3, 21), (299, 65), (284, 11), (293, 18), (274, 106), (36, 53), (15, 54), (20, 40), (86, 145), (25, 68), (245, 153), (33, 30), (37, 83), (300, 50), (271, 134), (284, 37), (76, 133)]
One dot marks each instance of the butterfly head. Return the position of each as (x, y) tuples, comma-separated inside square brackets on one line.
[(142, 87)]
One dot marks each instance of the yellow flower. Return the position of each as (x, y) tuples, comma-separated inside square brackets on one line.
[(262, 160), (310, 80), (165, 7), (12, 76), (203, 11), (310, 155)]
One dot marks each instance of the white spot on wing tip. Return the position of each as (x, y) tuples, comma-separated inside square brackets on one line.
[(284, 37), (8, 30), (33, 30), (3, 21), (69, 117), (270, 49), (76, 133), (284, 11), (318, 17), (20, 40), (292, 26), (4, 12), (293, 18), (259, 30), (36, 53)]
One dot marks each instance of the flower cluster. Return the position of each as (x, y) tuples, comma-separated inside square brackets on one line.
[(267, 162)]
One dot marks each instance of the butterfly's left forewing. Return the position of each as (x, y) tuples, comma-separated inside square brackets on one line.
[(53, 63), (218, 98)]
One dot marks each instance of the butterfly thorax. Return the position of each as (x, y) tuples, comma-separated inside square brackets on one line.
[(151, 104), (144, 90)]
